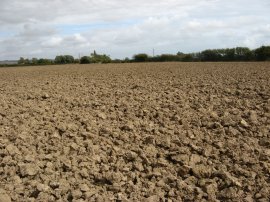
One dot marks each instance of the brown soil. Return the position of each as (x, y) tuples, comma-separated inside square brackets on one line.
[(135, 132)]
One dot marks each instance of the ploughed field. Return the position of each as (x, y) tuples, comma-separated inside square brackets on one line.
[(135, 132)]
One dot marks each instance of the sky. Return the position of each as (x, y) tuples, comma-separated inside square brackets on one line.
[(122, 28)]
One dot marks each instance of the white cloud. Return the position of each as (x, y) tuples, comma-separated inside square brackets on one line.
[(123, 28), (52, 42)]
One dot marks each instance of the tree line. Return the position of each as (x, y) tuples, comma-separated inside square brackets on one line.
[(210, 55), (67, 59)]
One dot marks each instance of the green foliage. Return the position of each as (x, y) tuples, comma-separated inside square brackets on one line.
[(262, 53), (180, 54), (243, 54), (141, 57), (211, 55), (215, 55), (69, 59), (43, 61), (34, 61), (117, 61), (228, 54), (64, 59), (77, 61), (21, 61), (126, 60), (96, 58), (59, 59), (168, 57), (85, 60), (187, 58), (27, 61)]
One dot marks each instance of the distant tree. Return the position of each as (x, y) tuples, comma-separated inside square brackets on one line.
[(69, 59), (117, 61), (64, 59), (60, 59), (168, 57), (126, 60), (196, 57), (21, 61), (211, 55), (228, 54), (183, 57), (180, 54), (262, 53), (243, 54), (27, 61), (97, 58), (44, 61), (142, 57), (249, 56), (24, 61), (103, 58), (187, 58), (85, 60), (34, 61)]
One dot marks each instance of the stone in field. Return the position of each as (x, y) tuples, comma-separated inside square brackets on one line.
[(4, 197), (28, 169)]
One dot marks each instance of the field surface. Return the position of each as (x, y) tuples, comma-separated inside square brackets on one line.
[(135, 132)]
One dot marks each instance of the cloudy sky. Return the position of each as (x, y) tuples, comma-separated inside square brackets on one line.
[(121, 28)]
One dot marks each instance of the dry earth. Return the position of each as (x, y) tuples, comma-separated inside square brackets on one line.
[(135, 132)]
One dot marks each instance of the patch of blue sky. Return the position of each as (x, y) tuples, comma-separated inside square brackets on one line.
[(67, 29), (6, 34)]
